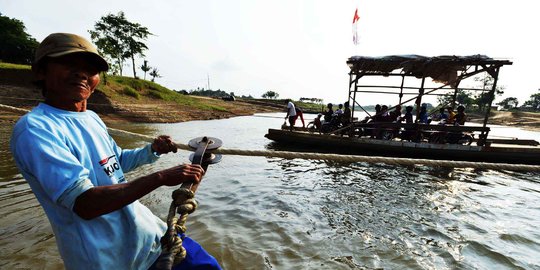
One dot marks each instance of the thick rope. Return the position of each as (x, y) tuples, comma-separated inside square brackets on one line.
[(348, 158), (172, 251), (333, 157), (13, 109)]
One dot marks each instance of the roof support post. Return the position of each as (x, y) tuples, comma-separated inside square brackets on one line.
[(419, 98), (495, 74), (350, 92), (355, 82), (353, 91), (401, 88)]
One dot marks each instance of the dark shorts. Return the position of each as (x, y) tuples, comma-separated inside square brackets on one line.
[(292, 120)]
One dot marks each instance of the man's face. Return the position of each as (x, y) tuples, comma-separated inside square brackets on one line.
[(70, 78)]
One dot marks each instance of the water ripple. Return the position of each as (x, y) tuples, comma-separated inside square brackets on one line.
[(274, 213)]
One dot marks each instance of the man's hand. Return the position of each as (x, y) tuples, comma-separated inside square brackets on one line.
[(101, 200), (180, 174), (163, 144)]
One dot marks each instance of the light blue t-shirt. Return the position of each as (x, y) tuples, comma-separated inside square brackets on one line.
[(62, 154)]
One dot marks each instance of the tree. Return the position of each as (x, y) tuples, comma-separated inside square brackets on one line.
[(145, 68), (120, 39), (533, 102), (483, 99), (464, 98), (270, 94), (154, 74), (16, 46), (509, 103)]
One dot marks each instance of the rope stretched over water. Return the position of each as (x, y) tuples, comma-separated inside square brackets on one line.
[(333, 157), (347, 158)]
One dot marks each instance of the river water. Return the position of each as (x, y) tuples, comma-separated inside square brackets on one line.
[(273, 213)]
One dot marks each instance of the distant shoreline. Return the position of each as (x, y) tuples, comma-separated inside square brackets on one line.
[(160, 111), (150, 111)]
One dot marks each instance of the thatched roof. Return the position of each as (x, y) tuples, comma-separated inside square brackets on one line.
[(441, 68)]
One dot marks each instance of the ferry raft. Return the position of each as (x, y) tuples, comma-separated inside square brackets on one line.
[(441, 75)]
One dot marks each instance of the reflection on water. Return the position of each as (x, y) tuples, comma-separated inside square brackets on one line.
[(273, 213)]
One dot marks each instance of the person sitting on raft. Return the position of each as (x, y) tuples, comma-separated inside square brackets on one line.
[(461, 117), (347, 114), (316, 123), (442, 117), (329, 113), (451, 115)]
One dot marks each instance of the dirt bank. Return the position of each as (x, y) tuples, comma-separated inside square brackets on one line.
[(159, 111), (525, 120), (151, 111)]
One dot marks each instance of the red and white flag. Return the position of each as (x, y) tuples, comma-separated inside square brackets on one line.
[(355, 27)]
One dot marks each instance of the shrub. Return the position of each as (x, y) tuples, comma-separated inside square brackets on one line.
[(155, 94), (131, 92), (137, 84)]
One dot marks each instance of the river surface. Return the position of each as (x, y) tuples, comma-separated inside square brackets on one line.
[(273, 213)]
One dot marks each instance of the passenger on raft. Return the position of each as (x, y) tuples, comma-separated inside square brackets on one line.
[(300, 113), (291, 114), (442, 117), (461, 117), (329, 113), (76, 169), (451, 115), (347, 114), (316, 123)]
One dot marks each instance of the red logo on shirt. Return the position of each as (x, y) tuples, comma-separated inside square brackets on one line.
[(110, 165)]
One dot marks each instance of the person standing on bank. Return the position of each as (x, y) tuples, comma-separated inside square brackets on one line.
[(291, 114), (76, 170)]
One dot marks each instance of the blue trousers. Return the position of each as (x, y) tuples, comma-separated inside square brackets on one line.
[(196, 259)]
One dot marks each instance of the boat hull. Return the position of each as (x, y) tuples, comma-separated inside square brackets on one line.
[(315, 142)]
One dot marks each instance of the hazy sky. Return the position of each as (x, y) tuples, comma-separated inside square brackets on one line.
[(299, 48)]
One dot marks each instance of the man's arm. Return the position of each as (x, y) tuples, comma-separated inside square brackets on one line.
[(102, 200)]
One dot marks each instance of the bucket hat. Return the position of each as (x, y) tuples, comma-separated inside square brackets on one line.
[(59, 44)]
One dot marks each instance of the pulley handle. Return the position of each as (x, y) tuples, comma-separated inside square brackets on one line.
[(202, 155)]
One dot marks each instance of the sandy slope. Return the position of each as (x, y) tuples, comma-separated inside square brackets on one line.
[(159, 111), (152, 111)]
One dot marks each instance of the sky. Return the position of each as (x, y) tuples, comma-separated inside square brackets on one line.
[(299, 48)]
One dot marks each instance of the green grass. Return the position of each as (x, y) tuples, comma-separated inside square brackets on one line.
[(118, 87), (14, 66), (126, 90), (306, 106), (131, 92)]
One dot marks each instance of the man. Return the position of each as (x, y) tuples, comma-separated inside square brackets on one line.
[(423, 114), (442, 117), (329, 113), (395, 115), (451, 115), (461, 116), (291, 114), (76, 170)]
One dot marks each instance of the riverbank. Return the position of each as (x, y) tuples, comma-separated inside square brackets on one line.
[(141, 110), (524, 120), (123, 99)]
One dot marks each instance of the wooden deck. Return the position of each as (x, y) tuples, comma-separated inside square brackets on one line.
[(314, 142)]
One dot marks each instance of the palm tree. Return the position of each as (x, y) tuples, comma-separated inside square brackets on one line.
[(145, 67), (154, 74)]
